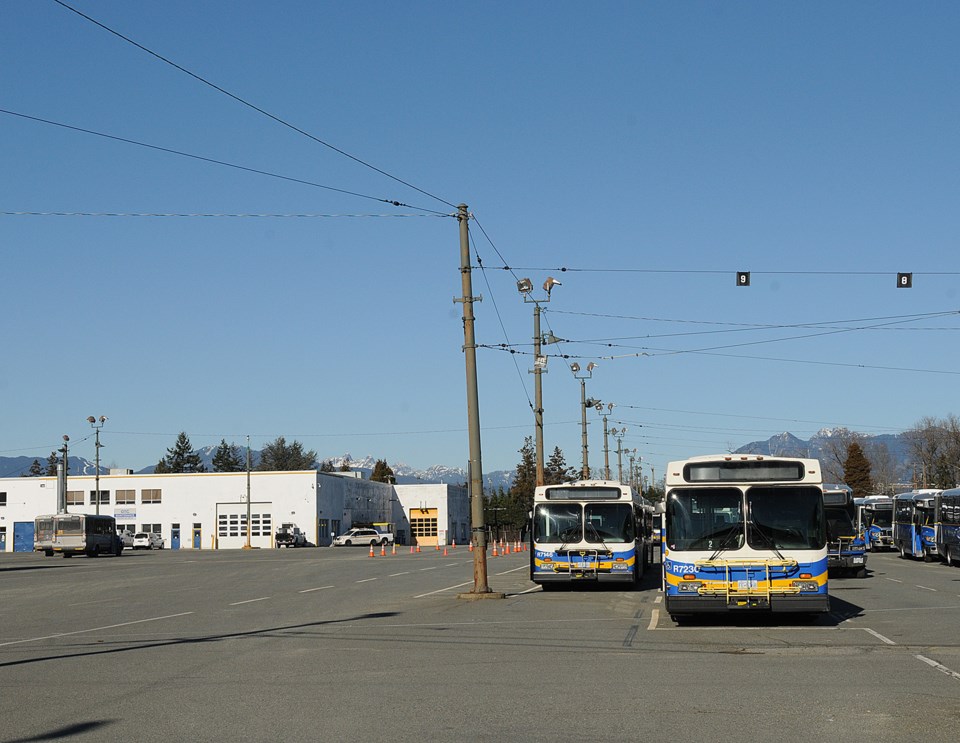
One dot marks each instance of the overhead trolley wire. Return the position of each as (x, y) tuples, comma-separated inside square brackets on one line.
[(256, 108)]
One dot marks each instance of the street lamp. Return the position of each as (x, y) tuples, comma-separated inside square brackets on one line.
[(619, 436), (97, 424), (525, 287), (606, 448), (583, 377), (62, 482)]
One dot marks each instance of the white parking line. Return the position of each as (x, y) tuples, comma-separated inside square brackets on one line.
[(939, 666), (365, 580), (654, 618), (94, 629), (394, 575), (441, 590), (318, 588), (893, 580), (249, 601), (927, 589), (876, 634)]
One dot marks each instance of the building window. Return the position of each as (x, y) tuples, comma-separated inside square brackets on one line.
[(104, 497), (126, 497), (150, 496), (74, 497), (3, 499), (151, 528)]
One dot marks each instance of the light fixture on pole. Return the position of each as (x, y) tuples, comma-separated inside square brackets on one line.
[(97, 424), (525, 287), (583, 377)]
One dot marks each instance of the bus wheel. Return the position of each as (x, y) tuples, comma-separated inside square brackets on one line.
[(903, 552), (927, 557), (949, 556), (862, 573)]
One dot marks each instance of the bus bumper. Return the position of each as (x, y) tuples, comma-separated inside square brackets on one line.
[(811, 603)]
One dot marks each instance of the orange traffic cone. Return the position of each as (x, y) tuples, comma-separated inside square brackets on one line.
[(418, 546), (411, 549), (454, 544), (393, 551), (470, 548), (383, 550), (444, 550), (371, 549), (494, 549)]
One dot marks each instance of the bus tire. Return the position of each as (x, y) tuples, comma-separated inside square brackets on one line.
[(862, 573), (903, 551), (927, 557), (949, 556)]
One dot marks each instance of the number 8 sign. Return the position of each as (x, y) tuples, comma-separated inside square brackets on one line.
[(904, 280)]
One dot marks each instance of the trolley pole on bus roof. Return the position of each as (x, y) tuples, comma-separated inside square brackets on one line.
[(479, 536)]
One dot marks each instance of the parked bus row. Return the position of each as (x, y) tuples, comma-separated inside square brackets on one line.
[(926, 525), (77, 534)]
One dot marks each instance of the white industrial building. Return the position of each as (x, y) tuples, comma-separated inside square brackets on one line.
[(209, 510)]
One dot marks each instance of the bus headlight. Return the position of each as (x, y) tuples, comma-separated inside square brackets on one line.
[(806, 585), (689, 586)]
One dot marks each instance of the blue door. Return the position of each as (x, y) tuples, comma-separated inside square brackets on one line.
[(23, 536), (196, 539), (174, 539)]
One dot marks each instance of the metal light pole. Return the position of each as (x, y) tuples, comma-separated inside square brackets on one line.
[(587, 374), (525, 287), (62, 476), (619, 436), (606, 448), (248, 546), (97, 424)]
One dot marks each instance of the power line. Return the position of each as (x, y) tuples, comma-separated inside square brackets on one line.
[(246, 103), (213, 161), (623, 269), (265, 216)]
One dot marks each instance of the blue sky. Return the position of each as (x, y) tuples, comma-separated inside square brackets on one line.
[(651, 149)]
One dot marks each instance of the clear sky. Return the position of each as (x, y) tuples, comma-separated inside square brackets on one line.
[(652, 149)]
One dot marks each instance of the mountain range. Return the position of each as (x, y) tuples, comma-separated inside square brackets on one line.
[(818, 446)]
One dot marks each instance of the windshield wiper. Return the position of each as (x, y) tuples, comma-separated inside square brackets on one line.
[(597, 535), (726, 543), (767, 538)]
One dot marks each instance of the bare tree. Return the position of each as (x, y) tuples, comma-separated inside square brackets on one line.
[(835, 453)]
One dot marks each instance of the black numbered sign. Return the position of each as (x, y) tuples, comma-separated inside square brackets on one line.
[(743, 278), (904, 280)]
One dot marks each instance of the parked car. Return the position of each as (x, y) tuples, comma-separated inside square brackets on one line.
[(126, 538), (147, 541), (363, 537)]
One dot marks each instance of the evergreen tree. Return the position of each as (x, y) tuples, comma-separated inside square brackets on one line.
[(326, 466), (556, 470), (36, 469), (278, 456), (345, 466), (856, 471), (519, 499), (382, 472), (52, 461), (180, 458), (229, 458)]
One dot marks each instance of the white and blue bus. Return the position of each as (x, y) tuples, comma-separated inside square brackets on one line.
[(744, 532), (589, 530), (875, 520), (914, 524), (948, 526), (846, 547)]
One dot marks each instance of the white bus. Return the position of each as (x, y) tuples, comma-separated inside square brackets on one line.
[(77, 534), (744, 532), (589, 530)]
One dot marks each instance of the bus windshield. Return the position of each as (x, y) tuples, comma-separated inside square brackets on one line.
[(882, 518), (609, 522), (70, 525), (839, 523), (705, 518), (558, 523), (786, 517)]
